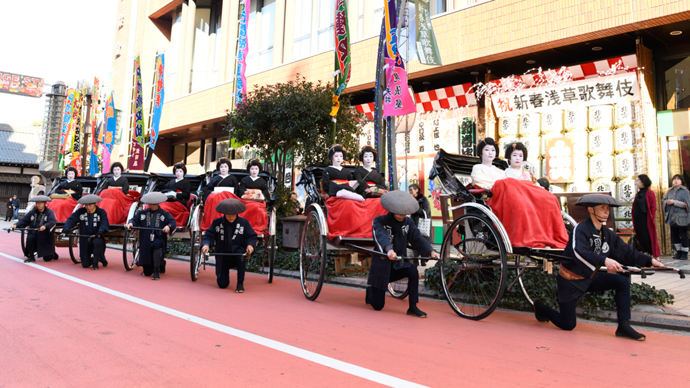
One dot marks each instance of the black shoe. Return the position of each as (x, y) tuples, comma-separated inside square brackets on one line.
[(683, 256), (30, 260), (366, 296), (240, 288), (104, 262), (626, 331), (56, 256), (156, 275), (538, 311), (677, 255), (162, 270), (416, 312), (95, 266)]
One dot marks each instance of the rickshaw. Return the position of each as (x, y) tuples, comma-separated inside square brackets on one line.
[(268, 236), (156, 182)]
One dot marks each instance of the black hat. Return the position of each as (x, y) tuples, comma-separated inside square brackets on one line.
[(70, 168), (89, 199), (180, 166), (154, 198), (40, 198), (255, 162), (231, 206), (367, 148), (399, 202), (591, 200), (117, 164), (336, 148)]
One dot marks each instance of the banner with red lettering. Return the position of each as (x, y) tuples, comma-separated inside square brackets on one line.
[(22, 85), (397, 100)]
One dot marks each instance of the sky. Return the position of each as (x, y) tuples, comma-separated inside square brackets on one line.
[(57, 40)]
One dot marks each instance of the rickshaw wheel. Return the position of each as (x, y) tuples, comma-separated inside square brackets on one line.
[(312, 257), (473, 266), (398, 289), (73, 242), (130, 249), (195, 255)]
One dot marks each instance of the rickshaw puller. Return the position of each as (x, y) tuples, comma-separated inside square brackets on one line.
[(392, 232), (230, 234), (153, 243), (93, 221), (43, 240), (592, 245)]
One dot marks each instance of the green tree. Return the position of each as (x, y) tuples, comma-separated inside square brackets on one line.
[(293, 118)]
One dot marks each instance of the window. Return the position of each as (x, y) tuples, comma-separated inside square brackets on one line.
[(360, 20), (326, 25), (178, 153), (172, 54), (260, 33), (378, 19), (677, 79), (303, 15), (438, 6)]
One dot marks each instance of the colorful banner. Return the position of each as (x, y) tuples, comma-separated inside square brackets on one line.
[(76, 129), (242, 49), (427, 49), (21, 85), (64, 133), (95, 110), (397, 100), (110, 125), (136, 154), (342, 53), (158, 100)]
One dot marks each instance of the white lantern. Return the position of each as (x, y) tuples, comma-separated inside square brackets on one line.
[(508, 126), (557, 188), (624, 212), (578, 187), (625, 138), (601, 166), (575, 119), (624, 114), (503, 143), (580, 144), (533, 165), (604, 186), (580, 168), (627, 190), (601, 142), (624, 225), (529, 124), (552, 121), (533, 145), (600, 116), (625, 164)]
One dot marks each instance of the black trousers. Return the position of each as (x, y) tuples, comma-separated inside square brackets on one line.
[(158, 244), (223, 265), (679, 238), (8, 215), (566, 319), (31, 247), (96, 248), (377, 296)]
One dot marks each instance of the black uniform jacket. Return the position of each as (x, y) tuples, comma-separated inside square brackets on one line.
[(228, 237), (331, 174), (219, 181), (90, 224), (390, 233), (46, 239), (73, 185), (148, 218), (183, 186), (122, 182), (367, 178), (249, 183), (588, 249)]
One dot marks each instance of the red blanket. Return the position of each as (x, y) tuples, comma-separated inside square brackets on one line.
[(529, 214), (347, 218), (117, 204), (179, 212), (255, 213), (62, 208)]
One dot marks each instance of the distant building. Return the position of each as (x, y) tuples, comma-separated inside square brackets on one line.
[(19, 148)]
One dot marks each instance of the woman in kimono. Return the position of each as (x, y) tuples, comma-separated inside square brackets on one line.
[(370, 182), (251, 186), (179, 189), (117, 180), (516, 154), (485, 174), (223, 179), (70, 186), (336, 178), (644, 211)]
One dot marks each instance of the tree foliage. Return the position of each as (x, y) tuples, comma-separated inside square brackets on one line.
[(293, 118)]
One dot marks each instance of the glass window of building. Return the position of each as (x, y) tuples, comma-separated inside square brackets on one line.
[(178, 153), (439, 6), (260, 32), (360, 20), (677, 83), (222, 148), (206, 44), (325, 25), (303, 15), (171, 56)]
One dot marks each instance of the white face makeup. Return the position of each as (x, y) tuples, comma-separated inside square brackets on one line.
[(117, 172), (254, 171), (337, 159), (224, 169), (368, 159), (179, 173), (516, 159), (488, 154), (70, 175)]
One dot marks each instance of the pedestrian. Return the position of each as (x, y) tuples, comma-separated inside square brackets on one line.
[(296, 207), (230, 234), (10, 210), (41, 241), (153, 243), (15, 207), (676, 204), (644, 210), (392, 232), (591, 246), (93, 225)]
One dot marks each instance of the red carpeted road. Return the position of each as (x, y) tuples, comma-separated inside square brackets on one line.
[(58, 332)]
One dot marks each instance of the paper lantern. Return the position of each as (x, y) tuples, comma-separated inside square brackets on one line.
[(624, 212), (580, 144), (575, 119), (580, 168), (533, 145), (508, 126), (623, 114), (625, 139), (578, 187), (624, 226), (557, 188), (503, 143), (601, 142), (552, 121), (601, 166), (626, 190), (604, 186), (529, 124), (533, 165), (625, 165), (600, 116)]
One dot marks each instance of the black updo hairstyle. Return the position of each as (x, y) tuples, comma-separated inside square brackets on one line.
[(255, 162), (486, 142), (224, 161), (70, 168), (180, 166), (367, 148), (117, 164), (515, 147), (336, 148)]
